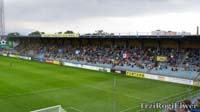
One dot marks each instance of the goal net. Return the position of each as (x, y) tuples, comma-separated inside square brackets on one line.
[(57, 108)]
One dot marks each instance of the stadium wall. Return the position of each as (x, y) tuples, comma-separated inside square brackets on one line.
[(103, 69)]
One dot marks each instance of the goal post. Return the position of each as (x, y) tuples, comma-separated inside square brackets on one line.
[(57, 108)]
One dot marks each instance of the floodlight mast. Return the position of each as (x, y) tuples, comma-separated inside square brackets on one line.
[(2, 19)]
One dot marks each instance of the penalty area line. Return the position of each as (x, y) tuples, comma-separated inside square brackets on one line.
[(128, 109), (76, 109)]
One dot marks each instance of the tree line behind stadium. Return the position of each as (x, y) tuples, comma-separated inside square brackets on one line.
[(72, 34)]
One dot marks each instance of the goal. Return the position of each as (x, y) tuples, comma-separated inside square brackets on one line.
[(57, 108)]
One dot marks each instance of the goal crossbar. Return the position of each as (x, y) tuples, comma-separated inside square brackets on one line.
[(57, 108)]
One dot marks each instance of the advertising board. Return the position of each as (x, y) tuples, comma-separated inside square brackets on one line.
[(169, 79), (56, 62), (49, 61), (87, 67), (135, 74), (20, 57), (161, 58)]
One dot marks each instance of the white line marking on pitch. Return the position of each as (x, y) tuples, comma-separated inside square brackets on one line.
[(76, 109)]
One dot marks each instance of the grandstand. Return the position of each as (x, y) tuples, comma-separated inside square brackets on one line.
[(133, 54)]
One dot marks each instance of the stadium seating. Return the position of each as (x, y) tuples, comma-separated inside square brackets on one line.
[(185, 61)]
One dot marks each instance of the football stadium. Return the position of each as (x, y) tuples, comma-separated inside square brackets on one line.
[(156, 71), (98, 73)]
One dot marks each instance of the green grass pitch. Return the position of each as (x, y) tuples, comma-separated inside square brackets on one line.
[(29, 85)]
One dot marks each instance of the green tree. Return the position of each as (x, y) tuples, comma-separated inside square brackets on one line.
[(13, 34), (59, 32), (35, 33), (42, 33), (68, 32)]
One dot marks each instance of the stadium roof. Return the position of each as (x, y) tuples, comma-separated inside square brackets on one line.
[(122, 36)]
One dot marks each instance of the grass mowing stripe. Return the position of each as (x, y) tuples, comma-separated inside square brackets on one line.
[(32, 85)]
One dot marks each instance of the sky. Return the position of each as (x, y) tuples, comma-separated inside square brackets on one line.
[(87, 16)]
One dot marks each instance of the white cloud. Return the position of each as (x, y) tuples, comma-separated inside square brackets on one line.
[(111, 15)]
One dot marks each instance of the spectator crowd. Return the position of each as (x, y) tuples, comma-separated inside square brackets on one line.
[(144, 58)]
